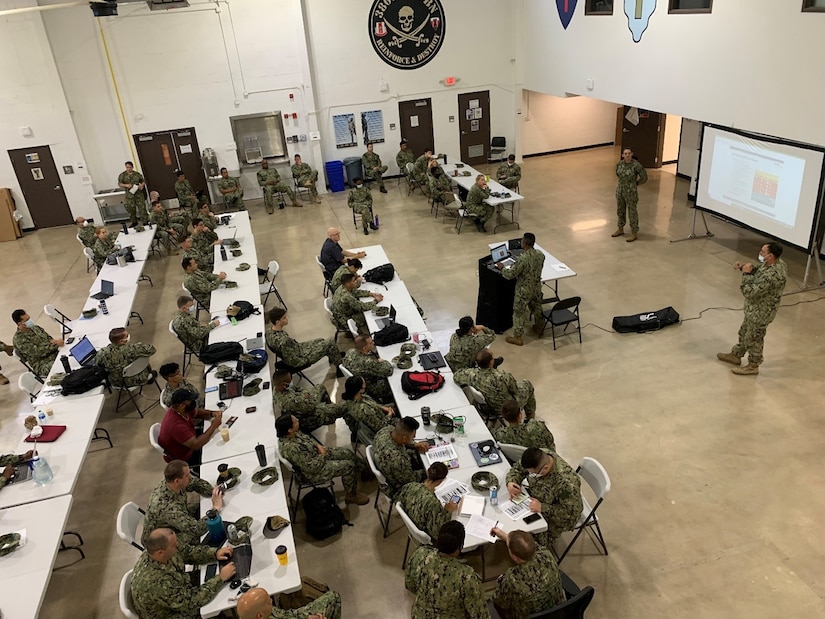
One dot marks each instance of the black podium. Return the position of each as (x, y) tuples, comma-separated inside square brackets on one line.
[(495, 297)]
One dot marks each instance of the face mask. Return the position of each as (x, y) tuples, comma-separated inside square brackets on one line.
[(761, 258), (30, 323), (87, 223), (128, 337), (191, 309)]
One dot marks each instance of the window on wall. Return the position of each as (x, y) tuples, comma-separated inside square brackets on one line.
[(813, 5), (690, 6), (598, 7)]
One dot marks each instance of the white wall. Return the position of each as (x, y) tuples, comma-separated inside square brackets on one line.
[(559, 123), (673, 127), (747, 64)]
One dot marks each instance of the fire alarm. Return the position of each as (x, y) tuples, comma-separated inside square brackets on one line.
[(295, 115), (286, 115), (291, 96), (449, 81)]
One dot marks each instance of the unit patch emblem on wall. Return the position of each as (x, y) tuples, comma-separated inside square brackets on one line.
[(566, 9), (638, 16), (407, 34)]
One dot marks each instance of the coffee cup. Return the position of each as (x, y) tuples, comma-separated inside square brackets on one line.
[(283, 557), (225, 433)]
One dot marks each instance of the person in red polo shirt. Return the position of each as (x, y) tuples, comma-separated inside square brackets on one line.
[(178, 437)]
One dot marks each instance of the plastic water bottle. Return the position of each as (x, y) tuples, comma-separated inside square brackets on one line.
[(125, 229), (214, 523), (232, 534), (103, 307), (493, 495), (41, 471), (65, 361)]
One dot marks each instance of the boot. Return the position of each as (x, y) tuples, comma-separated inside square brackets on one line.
[(373, 226), (357, 498), (631, 238), (316, 198), (748, 370), (498, 361), (516, 340), (538, 328), (729, 357), (383, 189), (366, 231), (619, 232), (3, 380), (270, 209), (9, 350), (294, 203)]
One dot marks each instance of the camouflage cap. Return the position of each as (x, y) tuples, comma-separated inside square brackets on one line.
[(266, 477), (230, 284), (252, 388), (236, 253), (243, 266), (244, 523), (409, 349), (224, 371), (90, 313), (402, 362), (381, 310), (139, 228), (9, 543), (274, 525)]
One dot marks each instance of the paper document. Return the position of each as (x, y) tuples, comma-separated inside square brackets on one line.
[(561, 267), (480, 527), (516, 508), (472, 505), (450, 488), (442, 453), (224, 320), (134, 189)]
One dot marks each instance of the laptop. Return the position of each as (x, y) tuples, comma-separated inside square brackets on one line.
[(230, 389), (431, 360), (387, 321), (22, 472), (234, 234), (501, 253), (107, 289), (84, 352)]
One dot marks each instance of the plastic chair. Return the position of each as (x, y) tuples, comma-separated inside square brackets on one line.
[(562, 314), (383, 488), (597, 478), (59, 317), (413, 534), (327, 277), (328, 309), (353, 328), (573, 608), (412, 183), (298, 478), (345, 371), (129, 518), (487, 412), (187, 352), (154, 433), (462, 214), (197, 303), (127, 606), (274, 267), (133, 369), (90, 259), (28, 383), (17, 355), (512, 452), (498, 146)]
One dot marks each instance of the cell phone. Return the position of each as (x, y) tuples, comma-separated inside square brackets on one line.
[(531, 518), (456, 499), (210, 389), (232, 420), (260, 333), (251, 409), (265, 386), (222, 488), (69, 340)]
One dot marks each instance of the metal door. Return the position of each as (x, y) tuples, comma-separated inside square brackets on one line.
[(162, 152), (42, 187), (474, 125), (416, 122), (644, 135)]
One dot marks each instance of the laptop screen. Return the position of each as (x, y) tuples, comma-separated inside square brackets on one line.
[(393, 313), (107, 287), (499, 252), (82, 350)]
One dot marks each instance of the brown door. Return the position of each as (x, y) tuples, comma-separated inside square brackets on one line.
[(416, 121), (474, 125), (41, 185), (162, 152), (647, 138)]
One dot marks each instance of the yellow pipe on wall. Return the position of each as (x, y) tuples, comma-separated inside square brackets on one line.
[(117, 91)]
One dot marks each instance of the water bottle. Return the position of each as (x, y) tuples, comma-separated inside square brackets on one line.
[(260, 451), (214, 523), (493, 495), (125, 228), (41, 471), (103, 307), (376, 222), (65, 361), (223, 253), (232, 534)]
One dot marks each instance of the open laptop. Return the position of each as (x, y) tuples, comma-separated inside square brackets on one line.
[(387, 321), (107, 289), (232, 238), (501, 253), (84, 352)]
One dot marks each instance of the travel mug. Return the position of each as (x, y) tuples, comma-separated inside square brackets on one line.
[(260, 451)]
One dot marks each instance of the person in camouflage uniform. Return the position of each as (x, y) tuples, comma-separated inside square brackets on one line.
[(395, 453), (193, 334), (208, 217), (120, 353), (363, 409), (404, 156), (200, 284), (762, 288), (297, 355), (509, 173), (527, 272), (319, 464), (421, 504), (185, 193), (555, 491), (231, 190), (166, 231), (631, 174), (363, 360), (533, 584), (312, 407), (256, 604), (36, 347), (346, 305), (305, 176), (169, 508), (533, 433), (351, 265), (467, 341), (270, 181), (497, 386), (420, 170), (85, 231), (444, 586), (373, 168), (360, 201), (440, 185), (205, 263), (7, 465), (161, 587), (475, 204), (170, 372), (104, 245), (203, 239), (9, 350), (135, 202)]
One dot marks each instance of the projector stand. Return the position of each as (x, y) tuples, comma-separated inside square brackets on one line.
[(813, 256), (693, 234)]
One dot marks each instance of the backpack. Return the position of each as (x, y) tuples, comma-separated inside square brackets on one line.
[(646, 321), (418, 384), (244, 310), (220, 351), (381, 274), (258, 362), (310, 591), (324, 517), (393, 333), (83, 380)]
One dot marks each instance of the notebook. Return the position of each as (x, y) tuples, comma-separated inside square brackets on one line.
[(83, 352), (485, 453), (431, 360), (50, 434), (107, 289), (385, 322)]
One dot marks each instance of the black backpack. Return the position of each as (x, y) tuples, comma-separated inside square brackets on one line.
[(220, 351), (393, 333), (381, 274), (646, 321), (83, 380), (258, 362), (418, 384), (324, 517), (245, 310)]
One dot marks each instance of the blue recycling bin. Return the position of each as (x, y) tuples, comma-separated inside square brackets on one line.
[(335, 175)]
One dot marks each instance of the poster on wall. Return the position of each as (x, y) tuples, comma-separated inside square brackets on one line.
[(638, 16), (406, 34), (344, 127), (372, 126)]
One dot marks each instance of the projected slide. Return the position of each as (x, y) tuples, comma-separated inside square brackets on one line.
[(770, 186)]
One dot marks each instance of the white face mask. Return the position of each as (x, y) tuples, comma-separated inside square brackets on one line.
[(761, 258), (191, 308), (30, 323), (87, 223), (128, 337)]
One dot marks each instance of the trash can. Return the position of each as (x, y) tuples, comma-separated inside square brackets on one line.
[(335, 175), (354, 169)]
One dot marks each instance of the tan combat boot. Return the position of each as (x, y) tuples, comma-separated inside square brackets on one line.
[(357, 498), (516, 340), (538, 327), (729, 357), (295, 203), (631, 238), (3, 380), (619, 232), (748, 370), (9, 350)]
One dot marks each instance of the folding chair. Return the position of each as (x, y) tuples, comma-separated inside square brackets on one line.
[(487, 412), (414, 534), (327, 276), (297, 478), (562, 314), (328, 309), (133, 369), (597, 478), (129, 518), (154, 433), (29, 384), (90, 259), (59, 317), (512, 452), (188, 353), (16, 354), (272, 273), (383, 488), (127, 606), (412, 183)]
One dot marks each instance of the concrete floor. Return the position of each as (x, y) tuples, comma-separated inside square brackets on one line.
[(717, 479)]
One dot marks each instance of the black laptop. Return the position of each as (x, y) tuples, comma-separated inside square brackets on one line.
[(385, 322), (107, 289), (84, 352)]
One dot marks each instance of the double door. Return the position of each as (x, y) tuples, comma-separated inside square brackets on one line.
[(41, 185), (162, 152)]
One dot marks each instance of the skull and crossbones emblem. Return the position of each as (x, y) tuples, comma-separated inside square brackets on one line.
[(406, 17)]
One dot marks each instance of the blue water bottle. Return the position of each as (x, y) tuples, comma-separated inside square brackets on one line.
[(493, 495), (214, 523)]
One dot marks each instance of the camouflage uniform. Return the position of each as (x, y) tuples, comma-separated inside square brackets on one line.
[(163, 223), (464, 348), (301, 354), (209, 220), (627, 196), (335, 282), (395, 461), (530, 587), (373, 370), (135, 203), (171, 510), (115, 357), (511, 174), (527, 273), (166, 394), (189, 331), (301, 451), (200, 285), (233, 198), (87, 235), (360, 200), (559, 493), (164, 591), (102, 249), (475, 204), (498, 386), (441, 188), (328, 605), (420, 172), (305, 176), (762, 290), (534, 433), (186, 195), (370, 161), (368, 412), (9, 460), (204, 243), (403, 158), (270, 175), (36, 349), (346, 305), (423, 508), (445, 587), (312, 407)]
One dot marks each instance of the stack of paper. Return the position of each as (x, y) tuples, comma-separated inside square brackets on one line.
[(480, 527), (518, 507), (442, 453), (448, 489), (472, 505)]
